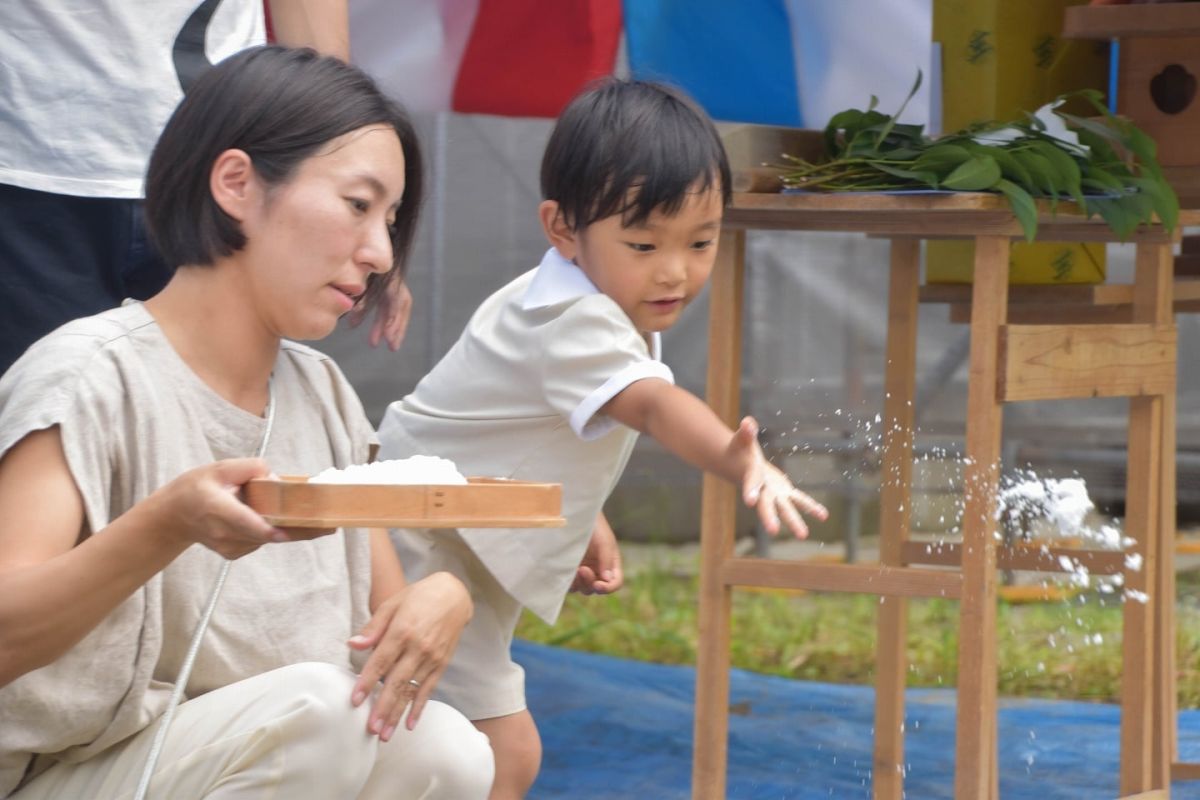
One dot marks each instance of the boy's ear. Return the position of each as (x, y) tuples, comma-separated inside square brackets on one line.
[(558, 233), (233, 183)]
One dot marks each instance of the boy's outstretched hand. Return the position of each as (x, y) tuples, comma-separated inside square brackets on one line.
[(766, 487), (600, 570)]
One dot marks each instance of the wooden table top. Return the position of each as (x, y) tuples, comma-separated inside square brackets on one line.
[(926, 215)]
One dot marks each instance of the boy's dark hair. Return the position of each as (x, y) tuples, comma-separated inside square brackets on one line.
[(618, 136), (280, 106)]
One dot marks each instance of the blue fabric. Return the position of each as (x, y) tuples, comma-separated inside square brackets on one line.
[(736, 59), (613, 728)]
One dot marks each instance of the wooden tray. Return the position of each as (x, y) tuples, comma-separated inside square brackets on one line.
[(291, 501)]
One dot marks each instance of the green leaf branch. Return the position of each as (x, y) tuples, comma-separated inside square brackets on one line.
[(1103, 163)]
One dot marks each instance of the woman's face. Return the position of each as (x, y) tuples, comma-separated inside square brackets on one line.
[(313, 240)]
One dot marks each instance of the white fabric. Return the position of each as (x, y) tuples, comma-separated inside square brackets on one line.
[(86, 86), (289, 733), (132, 417), (506, 401), (848, 51), (412, 47), (558, 280)]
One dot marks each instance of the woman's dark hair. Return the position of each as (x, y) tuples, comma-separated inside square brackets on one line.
[(280, 106), (628, 148)]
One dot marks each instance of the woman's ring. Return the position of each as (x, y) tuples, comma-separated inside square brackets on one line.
[(413, 682)]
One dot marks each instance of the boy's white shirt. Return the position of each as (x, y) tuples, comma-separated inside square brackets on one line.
[(518, 397), (557, 280)]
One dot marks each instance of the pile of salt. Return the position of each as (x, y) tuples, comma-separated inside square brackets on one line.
[(414, 470)]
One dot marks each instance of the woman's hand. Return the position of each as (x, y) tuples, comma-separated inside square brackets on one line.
[(766, 487), (413, 634), (202, 506)]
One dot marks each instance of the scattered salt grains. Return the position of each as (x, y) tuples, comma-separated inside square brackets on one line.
[(1062, 501), (414, 470), (1134, 594)]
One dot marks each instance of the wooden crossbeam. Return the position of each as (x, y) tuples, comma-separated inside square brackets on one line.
[(852, 578), (1027, 559), (1153, 794), (1050, 362), (960, 313)]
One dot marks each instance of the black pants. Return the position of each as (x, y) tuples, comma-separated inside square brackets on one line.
[(64, 257)]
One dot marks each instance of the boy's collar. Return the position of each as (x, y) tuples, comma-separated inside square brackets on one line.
[(557, 280)]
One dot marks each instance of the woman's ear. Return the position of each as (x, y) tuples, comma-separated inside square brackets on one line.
[(557, 231), (233, 184)]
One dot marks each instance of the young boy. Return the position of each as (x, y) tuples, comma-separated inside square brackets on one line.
[(557, 373)]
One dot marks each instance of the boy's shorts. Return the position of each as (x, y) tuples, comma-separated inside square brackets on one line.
[(482, 680)]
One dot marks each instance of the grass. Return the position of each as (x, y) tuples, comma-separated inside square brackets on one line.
[(1066, 649)]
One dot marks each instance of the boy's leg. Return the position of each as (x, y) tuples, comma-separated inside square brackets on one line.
[(289, 733), (518, 750)]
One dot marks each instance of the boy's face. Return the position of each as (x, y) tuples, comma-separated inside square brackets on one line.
[(655, 269)]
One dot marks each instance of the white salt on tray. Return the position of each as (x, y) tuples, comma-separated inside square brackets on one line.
[(416, 469)]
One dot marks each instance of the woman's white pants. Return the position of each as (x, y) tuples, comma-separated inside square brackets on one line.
[(288, 733)]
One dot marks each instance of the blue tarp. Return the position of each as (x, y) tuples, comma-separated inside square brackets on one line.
[(613, 728)]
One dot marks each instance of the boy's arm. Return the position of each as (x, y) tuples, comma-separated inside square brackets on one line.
[(687, 427)]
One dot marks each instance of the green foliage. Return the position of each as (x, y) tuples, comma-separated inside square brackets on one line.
[(1105, 164), (1067, 650)]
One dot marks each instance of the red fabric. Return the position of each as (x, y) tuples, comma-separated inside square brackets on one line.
[(527, 58)]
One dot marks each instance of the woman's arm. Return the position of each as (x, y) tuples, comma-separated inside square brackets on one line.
[(687, 427), (54, 588), (387, 576), (412, 634)]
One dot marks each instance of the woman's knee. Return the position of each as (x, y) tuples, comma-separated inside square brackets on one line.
[(443, 758), (316, 718)]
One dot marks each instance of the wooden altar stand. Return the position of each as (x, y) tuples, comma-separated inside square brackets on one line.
[(1113, 341)]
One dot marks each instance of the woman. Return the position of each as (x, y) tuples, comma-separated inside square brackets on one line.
[(284, 188)]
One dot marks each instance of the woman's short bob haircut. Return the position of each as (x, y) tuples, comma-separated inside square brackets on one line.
[(280, 106), (629, 148)]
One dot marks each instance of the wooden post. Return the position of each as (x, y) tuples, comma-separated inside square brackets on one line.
[(1166, 711), (1165, 751), (717, 514), (975, 769), (1144, 502), (894, 514)]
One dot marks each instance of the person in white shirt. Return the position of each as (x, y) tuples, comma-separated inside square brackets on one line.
[(85, 88), (284, 188), (557, 372)]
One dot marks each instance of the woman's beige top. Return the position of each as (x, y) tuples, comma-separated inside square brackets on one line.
[(133, 417), (519, 396)]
